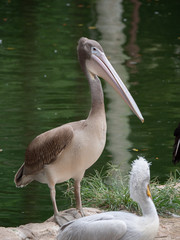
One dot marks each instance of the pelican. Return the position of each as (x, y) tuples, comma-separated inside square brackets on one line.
[(120, 225), (176, 150), (67, 151)]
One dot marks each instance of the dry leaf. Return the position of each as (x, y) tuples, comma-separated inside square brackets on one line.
[(135, 149), (92, 27)]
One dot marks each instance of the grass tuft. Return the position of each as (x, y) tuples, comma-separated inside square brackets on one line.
[(167, 197), (96, 191)]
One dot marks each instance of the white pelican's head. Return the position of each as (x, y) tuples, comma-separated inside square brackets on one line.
[(139, 180)]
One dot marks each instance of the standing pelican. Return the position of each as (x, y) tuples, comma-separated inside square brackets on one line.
[(120, 225), (176, 150), (67, 151)]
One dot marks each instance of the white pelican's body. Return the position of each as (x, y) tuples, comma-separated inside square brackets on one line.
[(67, 151), (120, 225)]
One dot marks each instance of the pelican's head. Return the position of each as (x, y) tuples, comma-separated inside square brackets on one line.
[(93, 59), (139, 180)]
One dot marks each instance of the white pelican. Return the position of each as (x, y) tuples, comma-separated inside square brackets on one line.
[(67, 151), (120, 225)]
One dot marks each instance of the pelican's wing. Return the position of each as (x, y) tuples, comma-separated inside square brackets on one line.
[(45, 148), (106, 228)]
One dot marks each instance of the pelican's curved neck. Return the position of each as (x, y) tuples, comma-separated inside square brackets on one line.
[(97, 96), (148, 208)]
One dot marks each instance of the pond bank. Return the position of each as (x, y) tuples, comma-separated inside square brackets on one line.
[(48, 230)]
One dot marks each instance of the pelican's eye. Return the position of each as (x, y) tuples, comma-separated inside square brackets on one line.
[(94, 50)]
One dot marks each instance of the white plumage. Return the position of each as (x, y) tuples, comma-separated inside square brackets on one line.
[(120, 225), (139, 178)]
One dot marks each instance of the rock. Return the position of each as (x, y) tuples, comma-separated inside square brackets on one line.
[(8, 234), (48, 230)]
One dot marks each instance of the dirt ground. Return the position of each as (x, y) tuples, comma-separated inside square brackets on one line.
[(169, 228)]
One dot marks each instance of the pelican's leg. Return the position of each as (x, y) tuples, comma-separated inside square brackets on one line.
[(60, 220), (77, 193), (53, 199)]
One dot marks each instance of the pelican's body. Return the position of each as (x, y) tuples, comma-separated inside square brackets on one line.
[(176, 150), (67, 151), (120, 225), (80, 148)]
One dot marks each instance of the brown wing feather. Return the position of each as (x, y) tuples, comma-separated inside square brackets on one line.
[(46, 147)]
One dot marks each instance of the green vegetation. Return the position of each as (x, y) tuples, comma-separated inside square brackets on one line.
[(97, 192), (167, 197)]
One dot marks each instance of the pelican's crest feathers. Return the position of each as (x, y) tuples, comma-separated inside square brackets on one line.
[(139, 176)]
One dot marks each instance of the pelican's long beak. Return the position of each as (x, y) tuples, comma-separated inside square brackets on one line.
[(99, 65)]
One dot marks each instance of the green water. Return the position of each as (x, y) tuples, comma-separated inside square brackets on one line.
[(42, 86)]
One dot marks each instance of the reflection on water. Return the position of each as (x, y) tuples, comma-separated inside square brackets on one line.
[(155, 83), (132, 47), (110, 24)]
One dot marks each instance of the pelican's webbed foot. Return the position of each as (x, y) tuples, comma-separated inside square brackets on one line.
[(60, 220), (81, 212)]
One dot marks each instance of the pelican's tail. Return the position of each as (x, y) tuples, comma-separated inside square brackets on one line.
[(20, 179)]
